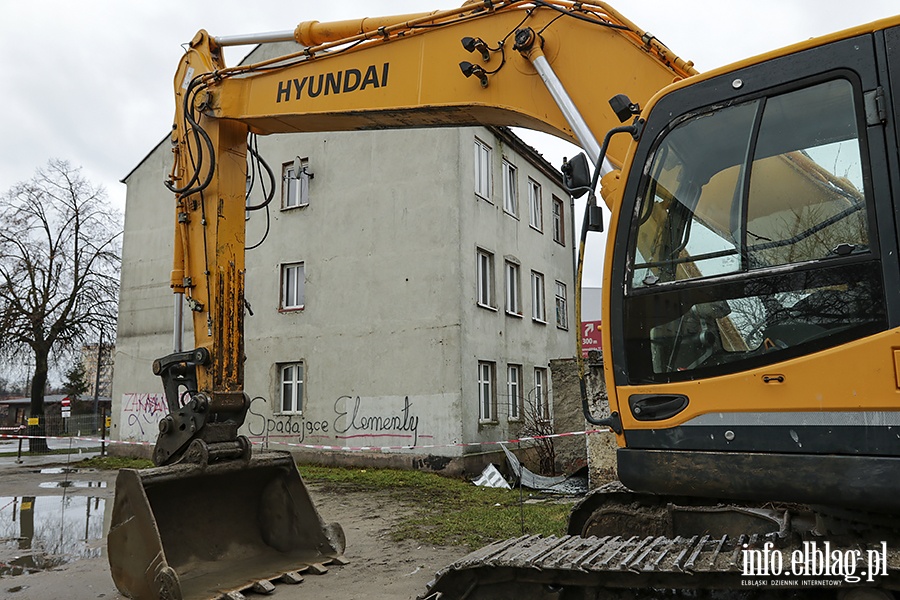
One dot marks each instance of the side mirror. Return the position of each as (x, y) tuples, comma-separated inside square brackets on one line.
[(577, 175)]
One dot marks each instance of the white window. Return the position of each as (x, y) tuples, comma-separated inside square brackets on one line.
[(510, 189), (482, 169), (559, 222), (513, 285), (538, 309), (294, 185), (291, 378), (562, 316), (514, 391), (485, 391), (485, 274), (535, 219), (541, 401), (293, 283)]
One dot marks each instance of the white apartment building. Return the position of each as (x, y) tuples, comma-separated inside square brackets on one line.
[(410, 289)]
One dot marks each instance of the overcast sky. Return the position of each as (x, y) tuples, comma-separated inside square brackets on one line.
[(90, 81)]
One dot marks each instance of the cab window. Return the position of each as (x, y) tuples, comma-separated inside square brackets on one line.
[(753, 238)]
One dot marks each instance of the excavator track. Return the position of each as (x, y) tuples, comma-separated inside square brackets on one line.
[(535, 567)]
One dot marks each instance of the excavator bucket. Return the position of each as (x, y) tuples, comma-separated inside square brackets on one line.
[(196, 531)]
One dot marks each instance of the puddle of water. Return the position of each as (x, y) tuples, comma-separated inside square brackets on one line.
[(57, 470), (38, 533), (72, 484)]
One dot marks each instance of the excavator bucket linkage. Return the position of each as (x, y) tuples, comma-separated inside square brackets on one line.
[(195, 531)]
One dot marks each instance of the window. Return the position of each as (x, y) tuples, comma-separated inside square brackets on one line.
[(541, 401), (294, 186), (483, 170), (731, 197), (291, 378), (485, 391), (293, 282), (538, 310), (514, 391), (562, 315), (559, 222), (485, 274), (510, 190), (513, 303), (535, 219)]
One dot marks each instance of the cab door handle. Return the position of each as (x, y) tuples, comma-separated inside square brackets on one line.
[(656, 407)]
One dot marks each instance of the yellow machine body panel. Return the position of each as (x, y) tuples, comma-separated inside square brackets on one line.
[(810, 384)]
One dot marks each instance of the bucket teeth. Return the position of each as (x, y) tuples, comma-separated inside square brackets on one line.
[(317, 569), (292, 577), (263, 586)]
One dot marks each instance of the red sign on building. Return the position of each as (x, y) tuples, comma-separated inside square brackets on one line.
[(591, 338)]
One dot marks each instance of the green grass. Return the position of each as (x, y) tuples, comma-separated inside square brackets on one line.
[(113, 463), (451, 512)]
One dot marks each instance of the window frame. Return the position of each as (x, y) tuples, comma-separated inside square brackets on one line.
[(562, 306), (487, 391), (535, 206), (485, 288), (541, 395), (513, 281), (298, 387), (293, 186), (509, 177), (483, 170), (300, 288), (559, 220), (538, 298), (514, 392)]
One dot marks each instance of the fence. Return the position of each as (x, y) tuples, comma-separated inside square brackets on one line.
[(74, 433), (76, 425)]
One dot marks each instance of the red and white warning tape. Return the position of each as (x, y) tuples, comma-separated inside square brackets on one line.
[(260, 440)]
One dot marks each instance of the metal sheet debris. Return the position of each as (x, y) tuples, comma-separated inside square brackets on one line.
[(562, 484), (491, 477)]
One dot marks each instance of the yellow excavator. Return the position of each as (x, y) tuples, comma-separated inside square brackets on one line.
[(751, 343)]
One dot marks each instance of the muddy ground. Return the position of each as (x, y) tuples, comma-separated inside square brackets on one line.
[(63, 521)]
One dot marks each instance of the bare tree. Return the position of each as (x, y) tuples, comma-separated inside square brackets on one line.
[(538, 424), (59, 265)]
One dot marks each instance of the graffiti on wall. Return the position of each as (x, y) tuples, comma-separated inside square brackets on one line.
[(141, 414), (353, 417), (259, 425)]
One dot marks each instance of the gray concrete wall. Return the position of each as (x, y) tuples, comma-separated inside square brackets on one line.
[(380, 330), (144, 330)]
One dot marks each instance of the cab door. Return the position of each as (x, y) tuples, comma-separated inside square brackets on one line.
[(754, 249)]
